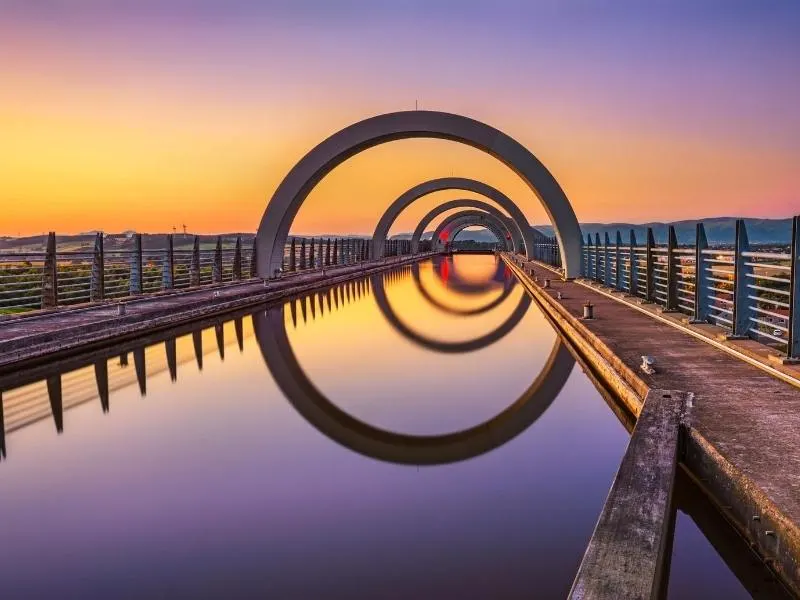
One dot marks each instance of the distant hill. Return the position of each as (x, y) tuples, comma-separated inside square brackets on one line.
[(719, 231)]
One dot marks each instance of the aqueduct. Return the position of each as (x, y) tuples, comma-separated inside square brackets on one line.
[(273, 230), (515, 235), (525, 235)]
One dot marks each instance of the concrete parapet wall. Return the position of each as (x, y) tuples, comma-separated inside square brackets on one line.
[(56, 334), (742, 447)]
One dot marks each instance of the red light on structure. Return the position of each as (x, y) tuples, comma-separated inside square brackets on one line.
[(508, 236), (444, 235)]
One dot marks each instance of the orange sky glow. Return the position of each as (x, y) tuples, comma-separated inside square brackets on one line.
[(149, 125)]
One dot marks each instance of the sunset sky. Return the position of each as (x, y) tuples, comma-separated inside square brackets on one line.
[(146, 114)]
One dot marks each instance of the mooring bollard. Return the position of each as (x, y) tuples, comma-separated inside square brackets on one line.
[(546, 283), (121, 309), (588, 310), (559, 296)]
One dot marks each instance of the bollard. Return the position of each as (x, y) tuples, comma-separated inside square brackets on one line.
[(559, 296), (588, 310), (546, 283), (121, 310)]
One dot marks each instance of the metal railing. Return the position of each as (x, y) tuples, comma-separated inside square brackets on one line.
[(545, 249), (750, 293), (55, 277), (58, 277)]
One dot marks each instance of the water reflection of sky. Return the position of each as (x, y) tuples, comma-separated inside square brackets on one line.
[(214, 486)]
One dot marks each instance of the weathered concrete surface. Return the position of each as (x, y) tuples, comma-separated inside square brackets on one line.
[(628, 555), (23, 341), (744, 444)]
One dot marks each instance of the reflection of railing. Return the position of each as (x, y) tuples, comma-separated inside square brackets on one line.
[(748, 292), (28, 398)]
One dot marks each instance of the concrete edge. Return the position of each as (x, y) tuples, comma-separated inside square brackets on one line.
[(729, 489), (71, 340), (630, 549), (772, 535), (617, 376)]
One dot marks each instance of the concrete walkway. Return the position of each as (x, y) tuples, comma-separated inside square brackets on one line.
[(744, 446), (27, 339)]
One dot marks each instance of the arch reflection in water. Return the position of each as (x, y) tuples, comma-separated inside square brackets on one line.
[(381, 444), (447, 347), (508, 287)]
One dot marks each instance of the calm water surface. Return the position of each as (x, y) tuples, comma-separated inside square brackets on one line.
[(385, 439)]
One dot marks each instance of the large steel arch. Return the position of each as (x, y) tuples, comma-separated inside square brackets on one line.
[(516, 236), (453, 224), (402, 448), (304, 176), (522, 227)]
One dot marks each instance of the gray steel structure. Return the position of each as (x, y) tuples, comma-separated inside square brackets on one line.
[(516, 240), (525, 234), (354, 139), (455, 223)]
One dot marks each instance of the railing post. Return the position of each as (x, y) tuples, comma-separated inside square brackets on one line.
[(328, 253), (50, 273), (292, 258), (194, 268), (741, 303), (597, 257), (793, 347), (216, 269), (587, 253), (618, 262), (136, 266), (254, 259), (168, 268), (303, 254), (311, 257), (97, 286), (606, 265), (237, 259), (649, 267), (672, 276), (701, 291), (633, 266)]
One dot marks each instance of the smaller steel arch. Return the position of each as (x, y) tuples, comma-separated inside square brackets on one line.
[(411, 195), (454, 223), (516, 236)]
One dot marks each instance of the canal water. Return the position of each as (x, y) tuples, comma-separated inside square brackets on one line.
[(418, 434)]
